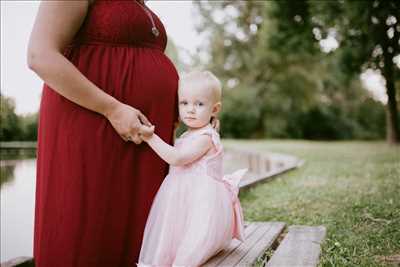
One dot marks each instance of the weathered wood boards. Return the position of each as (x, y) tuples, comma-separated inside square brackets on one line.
[(301, 247), (259, 236)]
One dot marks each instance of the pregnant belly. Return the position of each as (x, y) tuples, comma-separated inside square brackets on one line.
[(150, 84), (143, 78), (154, 80), (134, 75)]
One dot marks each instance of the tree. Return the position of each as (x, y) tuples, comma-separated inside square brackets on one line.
[(14, 127), (10, 123), (275, 74), (369, 37), (29, 125)]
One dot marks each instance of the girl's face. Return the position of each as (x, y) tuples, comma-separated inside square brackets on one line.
[(196, 104)]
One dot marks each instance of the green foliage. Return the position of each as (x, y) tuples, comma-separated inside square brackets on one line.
[(294, 19), (29, 125), (14, 127), (325, 122), (240, 115), (277, 81), (6, 173), (362, 29), (371, 118), (369, 37), (331, 122), (10, 123)]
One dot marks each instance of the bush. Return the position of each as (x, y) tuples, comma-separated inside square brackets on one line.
[(240, 116), (371, 119), (14, 127), (10, 127), (326, 123)]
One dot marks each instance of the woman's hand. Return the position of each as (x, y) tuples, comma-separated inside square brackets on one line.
[(127, 121), (146, 132)]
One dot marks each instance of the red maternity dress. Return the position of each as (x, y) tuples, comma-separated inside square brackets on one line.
[(94, 191)]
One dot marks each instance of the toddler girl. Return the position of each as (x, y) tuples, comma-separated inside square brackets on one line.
[(196, 211)]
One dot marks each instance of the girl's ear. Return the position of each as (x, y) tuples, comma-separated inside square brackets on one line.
[(216, 108)]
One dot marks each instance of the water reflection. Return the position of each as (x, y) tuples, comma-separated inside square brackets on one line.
[(6, 173), (17, 205), (17, 153)]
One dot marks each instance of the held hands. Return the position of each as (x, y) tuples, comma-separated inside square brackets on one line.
[(127, 121), (146, 132)]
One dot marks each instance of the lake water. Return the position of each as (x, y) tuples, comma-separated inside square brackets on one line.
[(17, 207)]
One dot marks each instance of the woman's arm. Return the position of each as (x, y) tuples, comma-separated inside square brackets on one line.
[(55, 25), (173, 155)]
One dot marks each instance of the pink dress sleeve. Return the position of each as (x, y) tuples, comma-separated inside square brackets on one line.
[(215, 138)]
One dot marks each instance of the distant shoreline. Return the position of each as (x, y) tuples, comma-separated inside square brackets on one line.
[(19, 145)]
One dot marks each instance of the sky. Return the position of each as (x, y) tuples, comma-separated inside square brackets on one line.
[(22, 84)]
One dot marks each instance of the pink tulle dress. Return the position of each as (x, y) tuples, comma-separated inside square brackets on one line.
[(196, 211)]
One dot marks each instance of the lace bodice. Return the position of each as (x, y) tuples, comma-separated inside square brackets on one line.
[(121, 22)]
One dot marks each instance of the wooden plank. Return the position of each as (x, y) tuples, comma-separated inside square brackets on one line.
[(243, 249), (300, 247), (263, 244), (214, 261), (256, 178), (263, 166)]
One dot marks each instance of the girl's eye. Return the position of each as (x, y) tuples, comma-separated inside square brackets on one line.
[(183, 103), (200, 104)]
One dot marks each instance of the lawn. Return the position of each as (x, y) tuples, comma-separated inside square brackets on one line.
[(353, 188)]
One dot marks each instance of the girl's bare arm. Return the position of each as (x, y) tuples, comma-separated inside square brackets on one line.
[(176, 156)]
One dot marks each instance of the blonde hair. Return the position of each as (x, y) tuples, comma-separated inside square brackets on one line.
[(210, 80)]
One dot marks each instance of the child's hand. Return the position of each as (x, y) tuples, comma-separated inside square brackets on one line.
[(145, 132)]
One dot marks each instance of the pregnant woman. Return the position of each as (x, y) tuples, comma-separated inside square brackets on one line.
[(105, 74)]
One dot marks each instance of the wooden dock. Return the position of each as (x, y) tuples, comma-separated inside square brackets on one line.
[(300, 247)]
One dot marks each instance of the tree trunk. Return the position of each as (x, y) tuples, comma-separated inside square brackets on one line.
[(392, 126)]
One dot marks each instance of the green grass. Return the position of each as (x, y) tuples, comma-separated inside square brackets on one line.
[(353, 188)]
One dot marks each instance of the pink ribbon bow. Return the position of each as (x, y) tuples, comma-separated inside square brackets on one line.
[(231, 182)]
